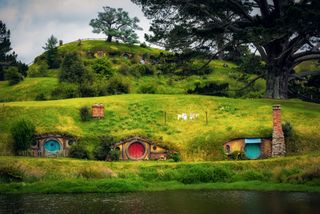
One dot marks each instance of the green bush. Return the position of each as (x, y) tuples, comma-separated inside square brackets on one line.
[(13, 76), (38, 70), (87, 90), (148, 88), (10, 173), (175, 156), (124, 69), (142, 70), (40, 97), (103, 66), (237, 155), (78, 152), (73, 70), (23, 133), (117, 85), (65, 90), (289, 137), (105, 150), (85, 113)]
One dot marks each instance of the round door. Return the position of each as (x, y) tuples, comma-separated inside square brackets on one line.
[(136, 151), (52, 146), (252, 151)]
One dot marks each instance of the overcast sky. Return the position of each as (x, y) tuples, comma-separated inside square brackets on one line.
[(31, 22)]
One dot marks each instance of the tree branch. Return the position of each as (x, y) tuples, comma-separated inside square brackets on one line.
[(303, 74), (249, 83)]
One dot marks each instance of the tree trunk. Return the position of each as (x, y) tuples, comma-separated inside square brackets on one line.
[(109, 39), (277, 82)]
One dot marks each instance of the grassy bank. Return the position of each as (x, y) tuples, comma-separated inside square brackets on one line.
[(297, 173), (144, 115)]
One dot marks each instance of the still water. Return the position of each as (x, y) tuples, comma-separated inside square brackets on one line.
[(178, 201)]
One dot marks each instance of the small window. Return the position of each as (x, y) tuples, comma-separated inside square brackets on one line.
[(228, 149), (154, 147)]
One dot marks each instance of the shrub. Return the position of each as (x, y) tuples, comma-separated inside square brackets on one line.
[(10, 173), (237, 155), (102, 66), (38, 70), (148, 88), (143, 45), (175, 156), (13, 76), (117, 85), (87, 90), (289, 137), (65, 90), (40, 97), (209, 88), (124, 69), (23, 135), (85, 113), (105, 150), (79, 152), (73, 70), (142, 69)]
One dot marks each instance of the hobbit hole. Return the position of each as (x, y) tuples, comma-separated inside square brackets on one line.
[(139, 148), (52, 145)]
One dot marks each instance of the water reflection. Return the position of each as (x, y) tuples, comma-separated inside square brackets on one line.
[(179, 201)]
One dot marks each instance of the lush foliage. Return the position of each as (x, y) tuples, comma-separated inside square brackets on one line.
[(117, 85), (13, 76), (210, 27), (73, 70), (79, 152), (103, 66), (116, 23), (23, 135), (7, 57), (85, 113), (52, 55), (105, 150)]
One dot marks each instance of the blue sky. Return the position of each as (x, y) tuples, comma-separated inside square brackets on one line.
[(31, 22)]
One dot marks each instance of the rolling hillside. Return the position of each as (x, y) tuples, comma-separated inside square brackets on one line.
[(125, 60), (127, 115)]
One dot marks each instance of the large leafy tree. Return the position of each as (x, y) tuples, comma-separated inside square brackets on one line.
[(284, 32), (116, 23)]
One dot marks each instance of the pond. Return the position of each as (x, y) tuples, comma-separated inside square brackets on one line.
[(177, 201)]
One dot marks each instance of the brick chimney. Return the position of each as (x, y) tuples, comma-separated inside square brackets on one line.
[(98, 111), (278, 144)]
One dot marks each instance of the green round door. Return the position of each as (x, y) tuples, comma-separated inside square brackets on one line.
[(52, 146), (252, 151)]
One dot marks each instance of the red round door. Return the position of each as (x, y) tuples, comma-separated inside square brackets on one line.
[(136, 150)]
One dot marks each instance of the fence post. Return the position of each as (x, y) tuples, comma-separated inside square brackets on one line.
[(206, 118)]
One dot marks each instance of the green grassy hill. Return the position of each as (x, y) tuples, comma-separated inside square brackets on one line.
[(135, 114), (124, 67)]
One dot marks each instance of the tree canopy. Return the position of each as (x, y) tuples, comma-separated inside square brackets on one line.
[(116, 23), (6, 56), (52, 55), (284, 32)]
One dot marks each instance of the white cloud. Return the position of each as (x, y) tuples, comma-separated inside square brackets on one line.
[(31, 22)]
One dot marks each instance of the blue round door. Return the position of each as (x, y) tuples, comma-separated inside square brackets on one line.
[(252, 151), (52, 146)]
